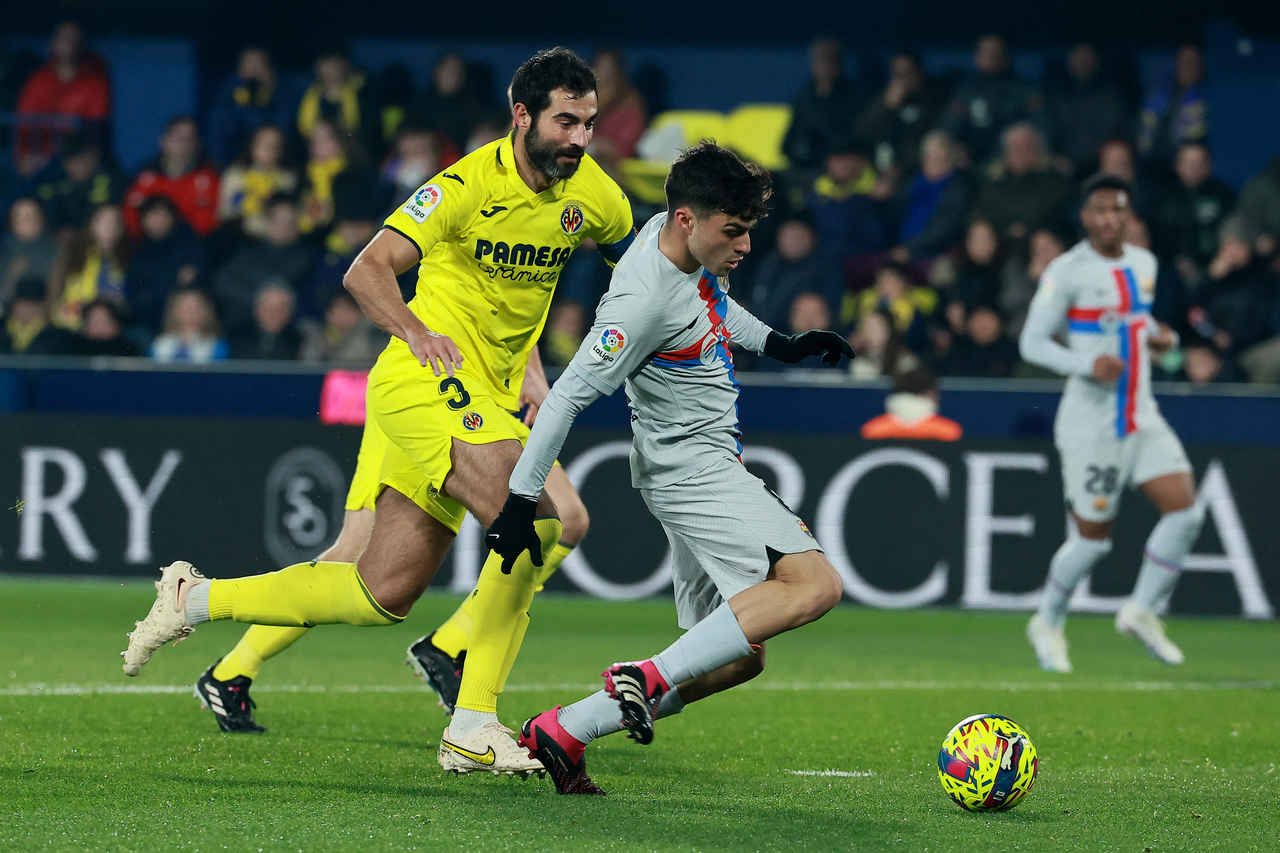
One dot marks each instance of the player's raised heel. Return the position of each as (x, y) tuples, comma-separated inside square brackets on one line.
[(442, 673), (637, 688), (1147, 628), (229, 701), (167, 618)]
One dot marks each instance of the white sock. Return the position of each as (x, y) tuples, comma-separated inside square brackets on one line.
[(465, 721), (1166, 550), (597, 715), (712, 643), (1074, 559), (197, 604)]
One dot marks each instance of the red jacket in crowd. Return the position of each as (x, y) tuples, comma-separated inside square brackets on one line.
[(195, 194), (86, 96)]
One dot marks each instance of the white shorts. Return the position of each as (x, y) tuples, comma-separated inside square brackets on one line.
[(726, 529), (1096, 468)]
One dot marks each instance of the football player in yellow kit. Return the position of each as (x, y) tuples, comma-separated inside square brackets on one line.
[(490, 235)]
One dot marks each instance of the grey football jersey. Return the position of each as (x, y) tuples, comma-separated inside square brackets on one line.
[(666, 334), (1104, 307)]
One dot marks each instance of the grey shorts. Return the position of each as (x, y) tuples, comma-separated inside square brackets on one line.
[(726, 528), (1097, 468)]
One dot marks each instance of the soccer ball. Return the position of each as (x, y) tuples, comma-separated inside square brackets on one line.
[(987, 763)]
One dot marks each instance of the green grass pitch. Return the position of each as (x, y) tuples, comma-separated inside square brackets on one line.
[(1134, 755)]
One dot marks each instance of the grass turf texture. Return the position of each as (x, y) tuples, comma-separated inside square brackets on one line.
[(1134, 755)]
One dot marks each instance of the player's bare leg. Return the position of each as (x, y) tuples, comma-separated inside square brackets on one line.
[(1166, 550)]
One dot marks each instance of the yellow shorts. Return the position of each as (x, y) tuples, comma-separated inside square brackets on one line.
[(414, 418)]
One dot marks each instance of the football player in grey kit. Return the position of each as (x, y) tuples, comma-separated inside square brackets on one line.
[(745, 567), (1108, 430)]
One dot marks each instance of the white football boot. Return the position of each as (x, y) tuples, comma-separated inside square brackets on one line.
[(1050, 645), (1139, 622), (167, 619), (489, 749)]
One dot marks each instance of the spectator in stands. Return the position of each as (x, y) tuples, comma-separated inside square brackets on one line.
[(27, 329), (167, 257), (394, 94), (1116, 157), (1023, 192), (977, 279), (450, 105), (280, 255), (257, 174), (845, 215), (93, 266), (911, 411), (27, 250), (791, 267), (274, 335), (895, 123), (180, 173), (934, 205), (984, 350), (102, 331), (992, 98), (1233, 307), (357, 217), (1204, 364), (346, 336), (340, 97), (249, 99), (1260, 209), (333, 155), (1021, 277), (823, 111), (75, 183), (415, 157), (880, 349), (1192, 211), (71, 90), (623, 114), (1086, 111), (910, 305), (484, 133), (1177, 111), (191, 332)]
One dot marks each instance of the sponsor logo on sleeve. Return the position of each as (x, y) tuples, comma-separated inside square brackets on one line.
[(605, 349), (424, 202)]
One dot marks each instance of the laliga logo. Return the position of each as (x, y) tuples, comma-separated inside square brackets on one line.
[(612, 340), (571, 219), (428, 196), (472, 421)]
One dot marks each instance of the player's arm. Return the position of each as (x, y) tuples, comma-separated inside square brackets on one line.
[(751, 332), (616, 234), (1045, 317), (371, 279), (535, 387)]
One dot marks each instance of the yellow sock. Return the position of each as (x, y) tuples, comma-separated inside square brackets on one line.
[(259, 643), (500, 601), (454, 635), (513, 648), (552, 562), (301, 596)]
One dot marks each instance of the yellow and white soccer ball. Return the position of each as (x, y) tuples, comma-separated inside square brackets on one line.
[(987, 763)]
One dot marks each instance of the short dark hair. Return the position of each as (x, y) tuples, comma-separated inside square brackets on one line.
[(918, 380), (707, 178), (1102, 181), (553, 68)]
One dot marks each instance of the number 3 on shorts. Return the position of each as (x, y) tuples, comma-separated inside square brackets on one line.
[(453, 384)]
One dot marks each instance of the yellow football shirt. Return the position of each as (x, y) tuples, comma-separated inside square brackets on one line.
[(492, 251)]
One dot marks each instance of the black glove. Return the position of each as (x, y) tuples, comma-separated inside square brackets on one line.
[(793, 348), (512, 532)]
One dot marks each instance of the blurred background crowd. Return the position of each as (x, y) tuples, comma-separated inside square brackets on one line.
[(914, 212)]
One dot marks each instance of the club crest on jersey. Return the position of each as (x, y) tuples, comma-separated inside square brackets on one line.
[(424, 202), (472, 421), (571, 219), (605, 349), (1110, 321)]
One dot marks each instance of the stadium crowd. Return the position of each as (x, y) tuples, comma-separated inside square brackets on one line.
[(916, 213)]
